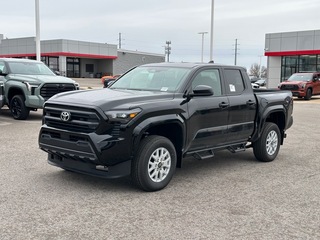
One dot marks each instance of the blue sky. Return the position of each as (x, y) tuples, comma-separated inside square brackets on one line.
[(147, 25)]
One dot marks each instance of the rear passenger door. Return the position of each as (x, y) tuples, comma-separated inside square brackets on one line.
[(242, 105)]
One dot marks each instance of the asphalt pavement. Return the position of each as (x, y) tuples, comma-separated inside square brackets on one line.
[(231, 196)]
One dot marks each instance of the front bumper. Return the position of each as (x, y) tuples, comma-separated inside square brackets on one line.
[(116, 171), (298, 93), (98, 155)]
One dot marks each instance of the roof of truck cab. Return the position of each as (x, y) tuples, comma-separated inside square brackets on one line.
[(190, 65), (18, 60)]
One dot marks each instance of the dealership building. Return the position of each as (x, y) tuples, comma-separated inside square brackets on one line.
[(78, 59), (291, 52)]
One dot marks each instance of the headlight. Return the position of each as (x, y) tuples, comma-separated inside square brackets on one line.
[(77, 85), (302, 85), (123, 116), (31, 86)]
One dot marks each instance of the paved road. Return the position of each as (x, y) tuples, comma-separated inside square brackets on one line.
[(231, 196)]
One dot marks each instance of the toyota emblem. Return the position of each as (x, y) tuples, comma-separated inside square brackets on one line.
[(65, 116)]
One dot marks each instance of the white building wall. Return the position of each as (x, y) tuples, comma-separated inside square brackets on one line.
[(274, 72), (63, 65), (128, 59)]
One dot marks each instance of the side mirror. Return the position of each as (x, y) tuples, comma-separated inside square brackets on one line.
[(57, 73), (107, 83), (202, 90), (3, 74)]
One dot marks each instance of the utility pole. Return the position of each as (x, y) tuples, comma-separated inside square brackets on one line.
[(168, 50), (236, 52), (202, 33), (119, 40), (38, 51)]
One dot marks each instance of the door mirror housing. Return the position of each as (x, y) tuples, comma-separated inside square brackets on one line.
[(3, 74), (202, 90)]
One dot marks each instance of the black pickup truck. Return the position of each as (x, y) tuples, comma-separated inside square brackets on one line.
[(153, 116)]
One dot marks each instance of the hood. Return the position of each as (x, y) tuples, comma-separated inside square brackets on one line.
[(107, 99), (40, 78), (293, 82)]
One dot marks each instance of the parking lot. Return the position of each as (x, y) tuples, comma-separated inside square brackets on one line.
[(231, 196)]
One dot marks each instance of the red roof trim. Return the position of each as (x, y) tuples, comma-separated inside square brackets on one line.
[(56, 54), (292, 53)]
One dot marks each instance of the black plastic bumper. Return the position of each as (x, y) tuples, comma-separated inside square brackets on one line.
[(116, 171), (98, 155)]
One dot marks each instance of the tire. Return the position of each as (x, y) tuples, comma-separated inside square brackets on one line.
[(18, 109), (154, 164), (266, 148), (308, 94)]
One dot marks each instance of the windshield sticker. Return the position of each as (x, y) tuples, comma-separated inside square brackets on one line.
[(232, 88), (164, 89)]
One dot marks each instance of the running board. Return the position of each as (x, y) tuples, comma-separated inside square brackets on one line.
[(203, 155), (237, 148)]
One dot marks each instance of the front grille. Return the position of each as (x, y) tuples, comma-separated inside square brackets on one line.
[(81, 120), (50, 89), (289, 87)]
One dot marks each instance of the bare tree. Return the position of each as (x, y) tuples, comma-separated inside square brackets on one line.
[(257, 71)]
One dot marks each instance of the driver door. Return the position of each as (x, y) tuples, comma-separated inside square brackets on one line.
[(208, 115)]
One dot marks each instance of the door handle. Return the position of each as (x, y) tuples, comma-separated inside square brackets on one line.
[(250, 102), (224, 105)]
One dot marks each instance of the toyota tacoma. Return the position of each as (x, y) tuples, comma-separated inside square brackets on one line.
[(155, 115)]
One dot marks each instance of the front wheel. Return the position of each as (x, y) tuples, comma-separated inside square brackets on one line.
[(308, 94), (266, 148), (18, 109), (154, 164)]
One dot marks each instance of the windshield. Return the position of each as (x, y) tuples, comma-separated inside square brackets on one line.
[(148, 78), (304, 77), (29, 68)]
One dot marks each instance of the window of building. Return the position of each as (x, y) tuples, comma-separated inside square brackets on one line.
[(303, 63), (89, 68), (51, 62), (73, 67)]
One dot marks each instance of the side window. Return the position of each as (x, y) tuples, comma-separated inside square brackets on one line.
[(2, 67), (209, 77), (234, 81)]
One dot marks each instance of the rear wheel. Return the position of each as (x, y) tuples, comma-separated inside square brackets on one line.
[(154, 164), (266, 148), (18, 109)]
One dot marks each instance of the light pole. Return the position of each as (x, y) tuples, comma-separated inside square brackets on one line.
[(38, 55), (211, 32), (260, 56), (202, 33)]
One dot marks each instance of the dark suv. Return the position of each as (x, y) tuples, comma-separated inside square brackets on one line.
[(303, 84)]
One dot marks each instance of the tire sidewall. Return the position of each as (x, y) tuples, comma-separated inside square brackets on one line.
[(148, 146), (260, 147), (24, 110), (308, 94)]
